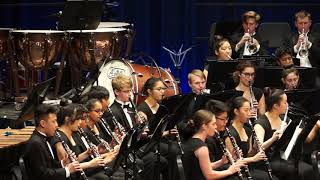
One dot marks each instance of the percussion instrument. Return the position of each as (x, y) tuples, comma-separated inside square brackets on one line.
[(113, 25), (10, 137), (89, 47), (140, 74), (35, 49), (4, 37)]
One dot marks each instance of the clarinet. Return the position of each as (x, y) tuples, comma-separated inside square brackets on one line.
[(237, 150), (255, 137), (107, 128), (179, 141), (252, 99), (93, 148), (227, 153), (121, 129), (102, 141), (71, 154)]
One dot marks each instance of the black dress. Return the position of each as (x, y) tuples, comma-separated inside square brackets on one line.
[(79, 147), (284, 169), (190, 161), (245, 146), (144, 107)]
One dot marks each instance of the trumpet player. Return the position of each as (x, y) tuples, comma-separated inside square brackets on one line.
[(303, 42), (248, 41)]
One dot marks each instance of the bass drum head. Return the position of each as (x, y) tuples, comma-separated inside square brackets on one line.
[(110, 71)]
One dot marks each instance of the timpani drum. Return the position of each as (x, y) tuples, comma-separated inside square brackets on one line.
[(90, 47), (140, 74), (35, 49)]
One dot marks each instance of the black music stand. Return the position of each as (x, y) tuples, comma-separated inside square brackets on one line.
[(35, 98), (81, 14), (282, 143), (270, 76), (307, 99), (222, 72), (123, 155)]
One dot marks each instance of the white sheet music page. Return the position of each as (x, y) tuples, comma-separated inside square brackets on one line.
[(285, 155)]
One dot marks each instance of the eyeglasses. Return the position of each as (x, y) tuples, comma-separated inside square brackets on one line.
[(161, 88), (223, 119), (247, 75)]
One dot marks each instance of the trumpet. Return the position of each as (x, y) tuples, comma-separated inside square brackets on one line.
[(303, 49), (71, 154), (252, 48)]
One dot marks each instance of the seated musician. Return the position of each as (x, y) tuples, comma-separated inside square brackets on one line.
[(220, 110), (124, 112), (154, 89), (196, 160), (197, 83), (268, 129), (39, 159), (291, 79), (248, 40), (222, 51), (244, 74), (70, 119), (284, 57), (242, 134)]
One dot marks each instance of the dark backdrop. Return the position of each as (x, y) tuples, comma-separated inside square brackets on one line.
[(160, 23)]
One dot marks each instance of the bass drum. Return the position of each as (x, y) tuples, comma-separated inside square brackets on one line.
[(139, 74)]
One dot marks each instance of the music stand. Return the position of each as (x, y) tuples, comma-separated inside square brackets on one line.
[(222, 72), (270, 76), (81, 14), (224, 96), (283, 142), (124, 151), (35, 98), (308, 99)]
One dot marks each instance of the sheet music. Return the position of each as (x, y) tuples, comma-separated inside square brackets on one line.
[(285, 155)]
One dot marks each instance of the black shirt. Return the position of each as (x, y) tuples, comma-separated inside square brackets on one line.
[(244, 145), (190, 161)]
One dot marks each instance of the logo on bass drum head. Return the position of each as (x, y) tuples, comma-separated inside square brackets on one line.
[(114, 71)]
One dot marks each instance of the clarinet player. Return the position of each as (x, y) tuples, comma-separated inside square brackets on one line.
[(242, 135), (268, 132)]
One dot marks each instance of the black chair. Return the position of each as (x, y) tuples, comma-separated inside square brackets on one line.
[(274, 33), (221, 29), (315, 28)]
